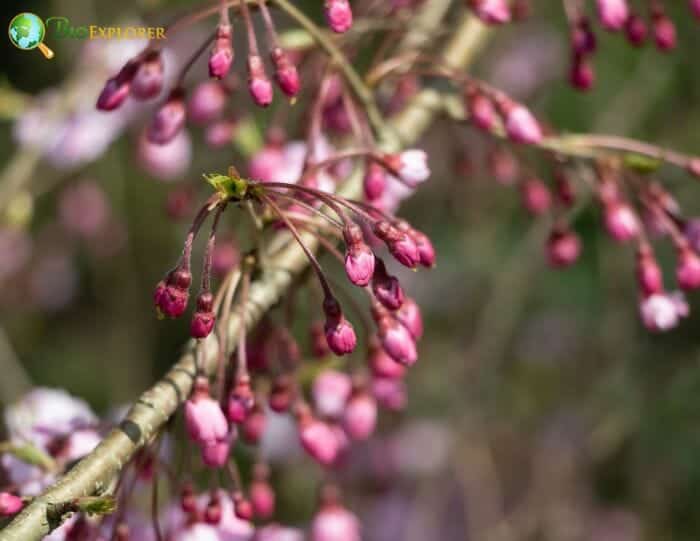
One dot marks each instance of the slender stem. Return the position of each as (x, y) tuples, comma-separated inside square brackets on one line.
[(250, 30), (154, 493), (316, 211), (208, 254), (223, 13), (223, 336), (269, 24), (242, 367)]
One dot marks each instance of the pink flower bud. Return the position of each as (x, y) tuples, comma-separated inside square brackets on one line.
[(636, 30), (491, 11), (213, 511), (221, 56), (612, 13), (10, 504), (400, 245), (649, 274), (426, 250), (535, 196), (359, 258), (207, 102), (398, 343), (374, 181), (411, 166), (168, 161), (205, 422), (695, 8), (259, 85), (240, 401), (215, 455), (563, 248), (117, 88), (169, 119), (148, 81), (383, 366), (286, 72), (262, 498), (503, 165), (360, 418), (339, 332), (390, 393), (664, 33), (338, 15), (318, 440), (583, 39), (171, 295), (254, 425), (520, 125), (688, 269), (281, 393), (220, 133), (582, 75), (621, 222), (410, 317), (242, 507), (481, 110), (386, 288), (203, 318), (331, 390), (661, 312)]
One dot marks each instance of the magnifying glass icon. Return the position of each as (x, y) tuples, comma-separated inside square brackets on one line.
[(27, 31)]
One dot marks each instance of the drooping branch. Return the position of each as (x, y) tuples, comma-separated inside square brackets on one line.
[(94, 474)]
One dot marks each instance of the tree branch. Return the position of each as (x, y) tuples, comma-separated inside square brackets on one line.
[(94, 474)]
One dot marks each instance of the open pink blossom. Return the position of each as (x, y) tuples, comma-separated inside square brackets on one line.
[(613, 14), (331, 390), (335, 523), (662, 311), (338, 15), (206, 423)]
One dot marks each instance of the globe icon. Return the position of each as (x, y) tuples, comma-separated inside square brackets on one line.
[(26, 31)]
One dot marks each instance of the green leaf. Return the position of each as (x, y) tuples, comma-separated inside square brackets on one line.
[(642, 164), (229, 187), (96, 505)]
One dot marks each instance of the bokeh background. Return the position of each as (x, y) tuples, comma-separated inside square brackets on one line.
[(540, 408)]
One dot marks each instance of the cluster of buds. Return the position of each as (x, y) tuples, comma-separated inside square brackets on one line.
[(617, 16)]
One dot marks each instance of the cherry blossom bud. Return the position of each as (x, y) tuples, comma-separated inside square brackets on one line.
[(649, 274), (204, 317), (188, 501), (661, 311), (242, 506), (411, 166), (386, 288), (613, 14), (10, 504), (205, 422), (254, 425), (563, 248), (359, 258), (621, 222), (491, 11), (281, 393), (400, 245), (207, 102), (318, 440), (481, 110), (213, 512), (286, 73), (398, 342), (535, 196), (215, 455), (220, 133), (688, 269), (636, 30), (426, 250), (374, 181), (117, 88), (564, 189), (339, 332), (664, 33), (331, 390), (335, 523), (338, 15), (521, 126), (503, 165), (390, 393), (240, 401), (221, 56), (383, 366), (262, 497), (171, 295), (410, 317), (360, 417), (695, 8), (169, 119), (693, 167), (259, 85), (148, 81), (582, 75), (583, 40)]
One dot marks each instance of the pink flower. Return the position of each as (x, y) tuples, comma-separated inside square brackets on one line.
[(695, 8), (318, 439), (259, 85), (563, 248), (390, 393), (535, 195), (621, 221), (411, 166), (613, 14), (398, 342), (221, 56), (410, 317), (148, 81), (662, 311), (262, 499), (426, 250), (383, 366), (117, 88), (491, 11), (339, 332), (331, 390), (359, 258), (386, 288), (220, 133), (338, 15), (360, 416), (286, 72), (521, 126), (636, 30), (649, 274), (400, 245), (335, 523), (664, 33), (169, 119), (203, 318), (215, 455), (688, 269), (374, 181), (206, 423), (10, 504), (207, 102), (171, 295)]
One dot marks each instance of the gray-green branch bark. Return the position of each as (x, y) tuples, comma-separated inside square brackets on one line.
[(94, 474)]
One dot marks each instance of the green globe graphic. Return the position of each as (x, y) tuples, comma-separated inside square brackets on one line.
[(26, 31)]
